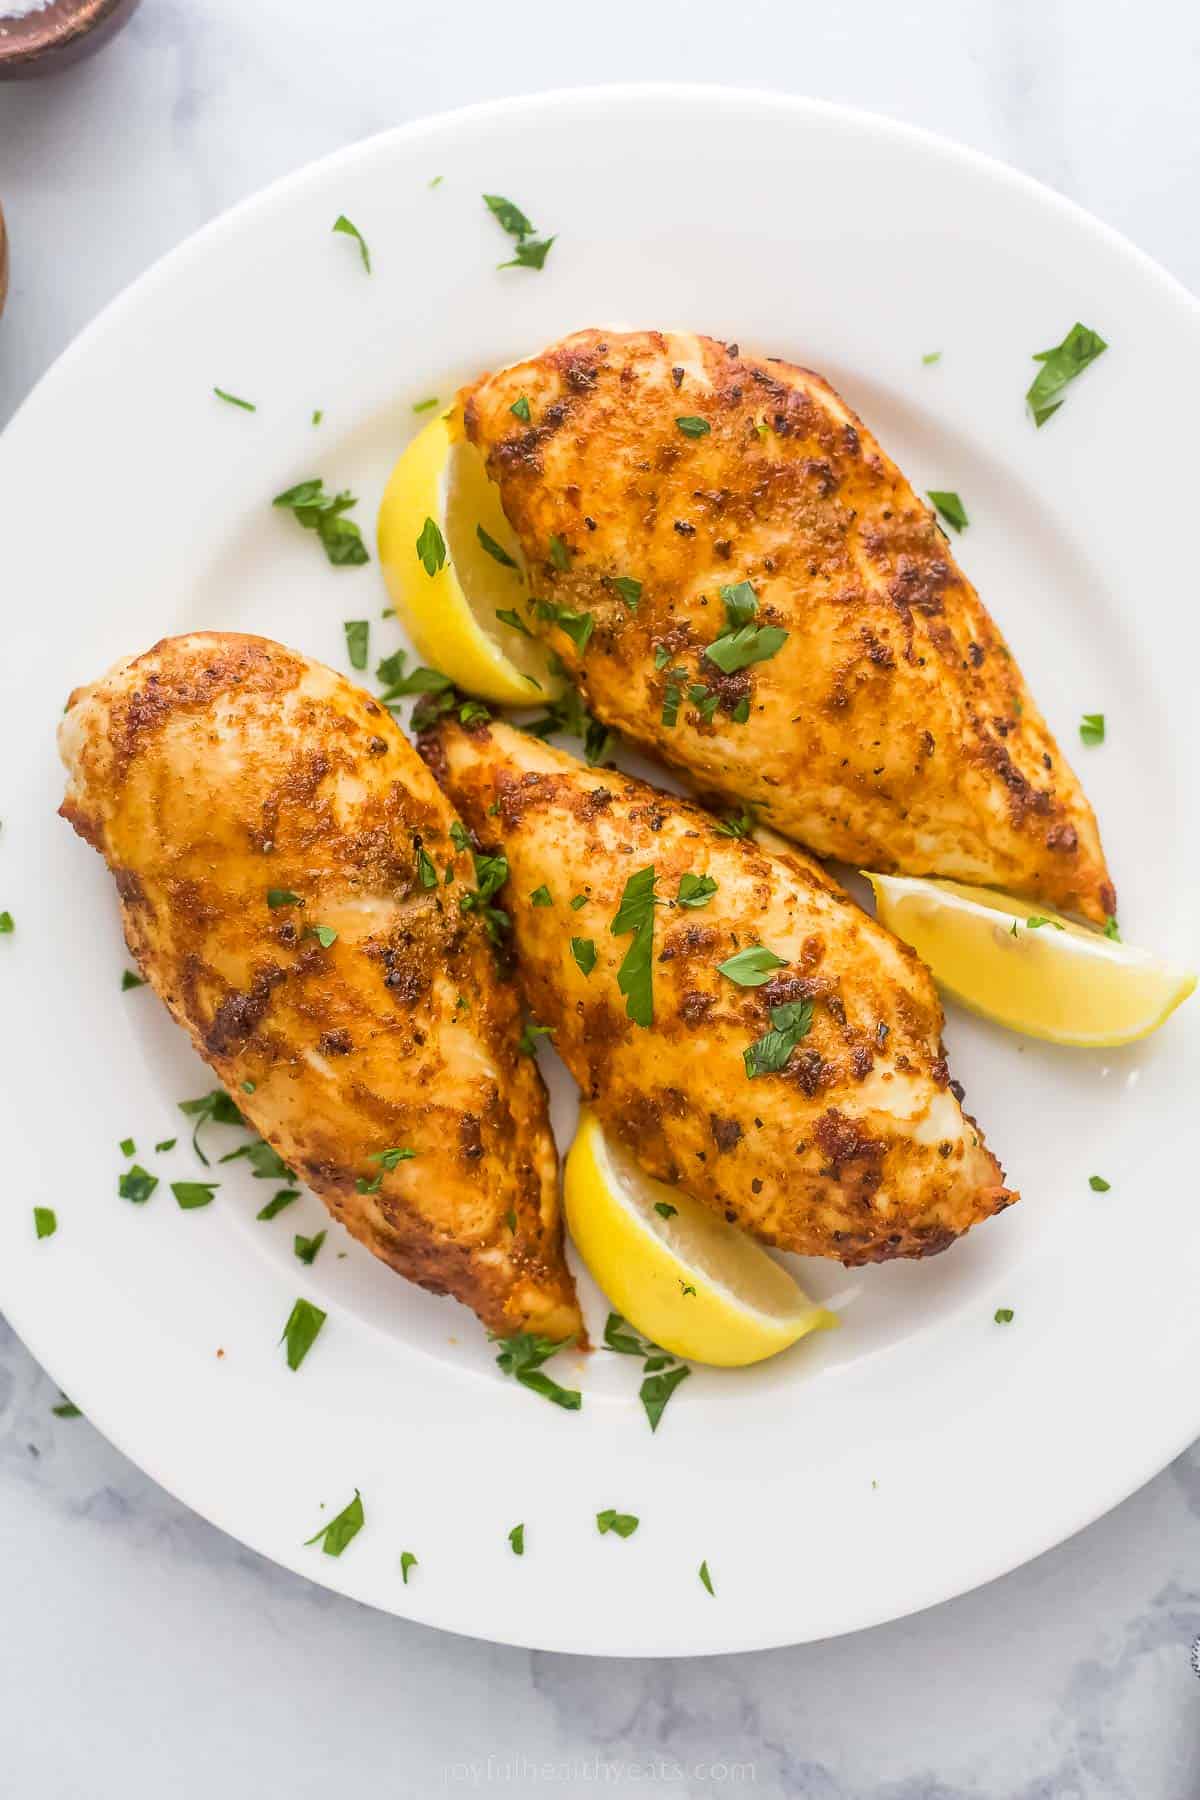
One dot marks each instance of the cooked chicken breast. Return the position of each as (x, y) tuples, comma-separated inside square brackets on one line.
[(787, 1068), (250, 804), (740, 580)]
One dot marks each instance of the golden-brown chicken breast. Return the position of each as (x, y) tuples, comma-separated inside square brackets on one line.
[(290, 886), (729, 1012), (739, 579)]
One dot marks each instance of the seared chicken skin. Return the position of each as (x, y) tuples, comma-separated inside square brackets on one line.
[(250, 803), (848, 1140), (891, 728)]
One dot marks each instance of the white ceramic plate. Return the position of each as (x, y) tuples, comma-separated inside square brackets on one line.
[(921, 1450)]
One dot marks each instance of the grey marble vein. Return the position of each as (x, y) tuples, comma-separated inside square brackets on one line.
[(141, 1651)]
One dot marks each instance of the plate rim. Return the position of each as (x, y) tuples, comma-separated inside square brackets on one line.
[(199, 243)]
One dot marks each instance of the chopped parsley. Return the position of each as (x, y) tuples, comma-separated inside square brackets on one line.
[(130, 980), (45, 1221), (577, 625), (769, 1053), (496, 551), (318, 511), (522, 1356), (301, 1332), (1003, 1315), (577, 901), (357, 635), (165, 1144), (560, 553), (738, 825), (672, 694), (458, 835), (282, 897), (193, 1194), (283, 1198), (1110, 928), (306, 1248), (629, 590), (931, 356), (530, 1033), (137, 1184), (705, 1577), (656, 1390), (215, 1108), (1098, 1184), (695, 890), (636, 914), (692, 427), (752, 966), (665, 1210), (338, 1533), (529, 252), (344, 225), (520, 409), (508, 615), (325, 934), (66, 1409), (541, 896), (431, 548), (1060, 366), (391, 1159), (584, 952), (127, 1147), (951, 508), (6, 923), (1091, 729), (266, 1163), (420, 406), (1036, 921), (427, 874), (233, 400), (516, 1538), (744, 642), (396, 684), (491, 872), (407, 1561), (624, 1524)]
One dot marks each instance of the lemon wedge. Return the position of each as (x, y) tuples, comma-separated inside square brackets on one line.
[(451, 615), (685, 1279), (1034, 972)]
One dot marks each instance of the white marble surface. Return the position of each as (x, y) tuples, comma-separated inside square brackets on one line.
[(142, 1652)]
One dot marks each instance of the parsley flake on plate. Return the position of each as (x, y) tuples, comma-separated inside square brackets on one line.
[(1060, 366), (407, 1561), (522, 1356), (303, 1326), (516, 1538), (45, 1221), (349, 229), (577, 625), (951, 508), (306, 1248), (130, 980), (420, 406), (1091, 729), (1098, 1184), (624, 1524), (338, 1533), (1003, 1315), (496, 551), (214, 1108), (193, 1194), (318, 511), (357, 632), (283, 1198), (520, 409), (530, 251), (137, 1184), (233, 400), (706, 1578)]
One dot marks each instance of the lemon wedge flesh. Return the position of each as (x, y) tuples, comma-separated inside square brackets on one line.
[(1034, 972), (688, 1281), (451, 614)]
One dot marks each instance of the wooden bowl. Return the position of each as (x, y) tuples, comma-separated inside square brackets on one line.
[(41, 42)]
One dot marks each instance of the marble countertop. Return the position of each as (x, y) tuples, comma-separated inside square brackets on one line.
[(143, 1652)]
